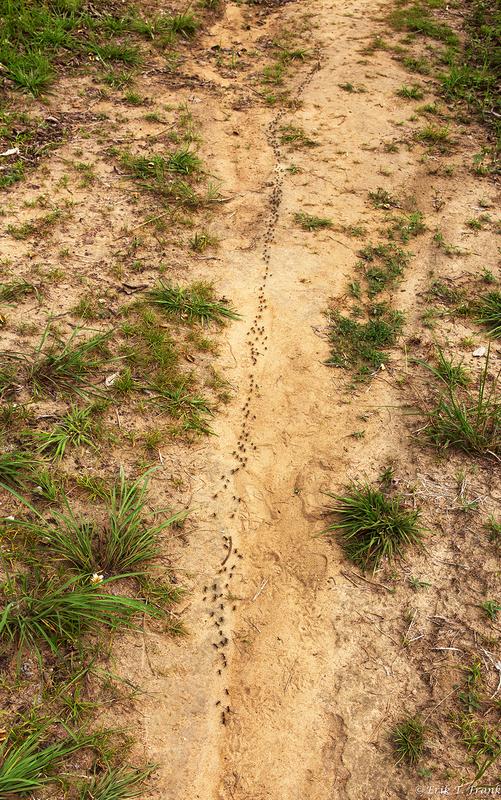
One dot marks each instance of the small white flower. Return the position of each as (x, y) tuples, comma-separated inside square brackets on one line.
[(96, 578)]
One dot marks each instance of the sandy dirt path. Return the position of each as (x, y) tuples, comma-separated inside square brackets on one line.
[(286, 631)]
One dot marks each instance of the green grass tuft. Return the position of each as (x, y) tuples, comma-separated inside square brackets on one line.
[(488, 309), (123, 543), (195, 303), (468, 419), (408, 740), (27, 765), (373, 526), (76, 429), (15, 466), (44, 611), (59, 366), (116, 783), (360, 345), (309, 222)]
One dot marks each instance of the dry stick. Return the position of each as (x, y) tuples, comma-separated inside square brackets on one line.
[(372, 583), (439, 704), (147, 222), (259, 590)]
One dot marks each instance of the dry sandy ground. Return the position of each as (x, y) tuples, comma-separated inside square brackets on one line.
[(313, 672)]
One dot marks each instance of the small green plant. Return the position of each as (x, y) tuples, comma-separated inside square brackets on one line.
[(482, 741), (383, 199), (410, 92), (116, 783), (124, 52), (360, 346), (491, 608), (382, 264), (438, 135), (416, 18), (195, 303), (417, 583), (478, 223), (407, 227), (202, 240), (408, 740), (184, 24), (76, 429), (453, 375), (291, 134), (133, 98), (493, 526), (120, 545), (46, 486), (351, 88), (488, 308), (309, 222), (60, 366), (373, 526), (28, 764), (45, 611), (15, 290), (191, 409), (469, 420), (419, 65), (156, 168), (15, 466)]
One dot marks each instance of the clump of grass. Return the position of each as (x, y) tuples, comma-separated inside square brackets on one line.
[(28, 764), (381, 198), (123, 52), (166, 176), (40, 226), (491, 608), (482, 741), (419, 64), (437, 135), (373, 526), (60, 366), (488, 309), (116, 783), (202, 240), (185, 24), (351, 88), (472, 73), (382, 265), (408, 740), (191, 409), (309, 222), (120, 545), (360, 345), (291, 134), (76, 429), (43, 611), (493, 526), (453, 375), (47, 487), (15, 466), (407, 227), (195, 303), (410, 92), (15, 290), (417, 18), (157, 168), (468, 420)]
